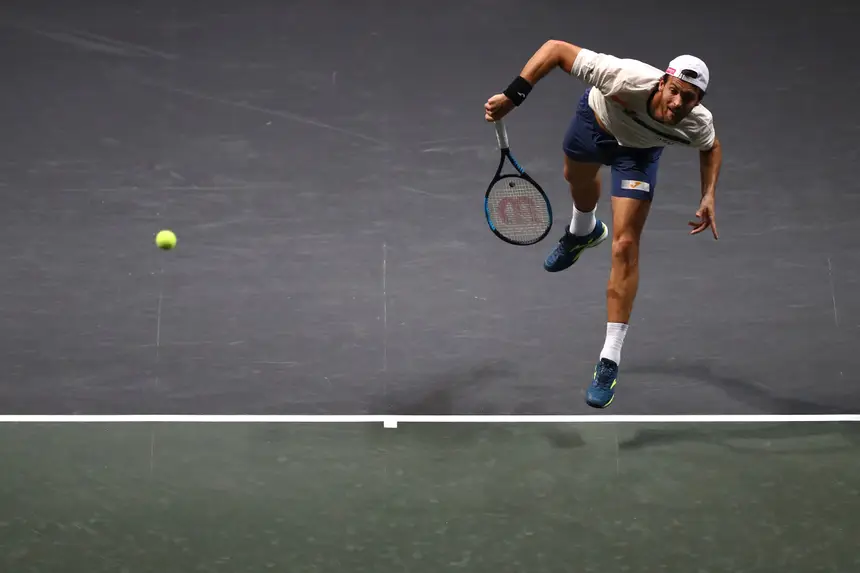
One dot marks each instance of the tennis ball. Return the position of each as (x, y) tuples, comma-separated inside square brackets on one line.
[(165, 240)]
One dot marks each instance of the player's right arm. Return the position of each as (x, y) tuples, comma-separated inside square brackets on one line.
[(596, 69), (553, 54)]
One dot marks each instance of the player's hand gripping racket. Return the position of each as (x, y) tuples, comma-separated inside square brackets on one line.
[(517, 209)]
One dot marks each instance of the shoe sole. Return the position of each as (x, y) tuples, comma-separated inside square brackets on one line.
[(598, 406)]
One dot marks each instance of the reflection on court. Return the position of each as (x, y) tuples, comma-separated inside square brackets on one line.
[(428, 497)]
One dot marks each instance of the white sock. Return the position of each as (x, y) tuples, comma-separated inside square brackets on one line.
[(582, 223), (615, 333)]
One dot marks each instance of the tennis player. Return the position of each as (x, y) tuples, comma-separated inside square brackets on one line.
[(628, 114)]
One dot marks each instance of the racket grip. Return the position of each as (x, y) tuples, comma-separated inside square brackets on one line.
[(501, 134)]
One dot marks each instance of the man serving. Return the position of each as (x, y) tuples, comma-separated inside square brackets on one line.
[(629, 113)]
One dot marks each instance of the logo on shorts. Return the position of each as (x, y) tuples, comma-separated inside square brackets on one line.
[(636, 185)]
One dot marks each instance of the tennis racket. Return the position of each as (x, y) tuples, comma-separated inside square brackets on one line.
[(517, 209)]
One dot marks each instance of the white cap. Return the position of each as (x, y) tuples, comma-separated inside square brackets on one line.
[(690, 69)]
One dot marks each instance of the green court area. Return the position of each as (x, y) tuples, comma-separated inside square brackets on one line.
[(693, 498)]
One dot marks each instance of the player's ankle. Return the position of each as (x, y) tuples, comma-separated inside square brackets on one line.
[(582, 222), (615, 334)]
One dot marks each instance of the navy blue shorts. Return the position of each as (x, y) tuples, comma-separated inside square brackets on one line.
[(634, 170)]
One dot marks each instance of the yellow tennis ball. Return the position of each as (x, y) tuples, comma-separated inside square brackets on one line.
[(165, 240)]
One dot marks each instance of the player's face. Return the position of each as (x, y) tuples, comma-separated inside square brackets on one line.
[(677, 100)]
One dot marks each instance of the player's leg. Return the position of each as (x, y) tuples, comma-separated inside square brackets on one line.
[(628, 220), (583, 178), (584, 156), (634, 177)]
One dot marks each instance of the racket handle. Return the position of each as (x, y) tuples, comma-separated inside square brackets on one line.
[(501, 134)]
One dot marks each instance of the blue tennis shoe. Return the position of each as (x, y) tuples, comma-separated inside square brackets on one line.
[(602, 390), (571, 246)]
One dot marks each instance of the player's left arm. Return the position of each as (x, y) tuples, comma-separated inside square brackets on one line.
[(710, 161)]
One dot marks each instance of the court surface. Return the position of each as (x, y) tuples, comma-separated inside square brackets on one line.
[(430, 497), (323, 165)]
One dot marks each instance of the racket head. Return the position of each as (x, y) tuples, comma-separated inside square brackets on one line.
[(517, 209)]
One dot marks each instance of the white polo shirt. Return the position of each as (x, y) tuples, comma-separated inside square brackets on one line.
[(620, 101)]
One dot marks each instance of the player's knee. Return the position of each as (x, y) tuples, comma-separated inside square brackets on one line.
[(581, 174), (568, 172), (625, 250)]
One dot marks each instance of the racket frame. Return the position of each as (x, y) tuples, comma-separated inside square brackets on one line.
[(505, 154)]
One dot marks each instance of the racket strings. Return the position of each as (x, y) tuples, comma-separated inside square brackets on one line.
[(518, 209)]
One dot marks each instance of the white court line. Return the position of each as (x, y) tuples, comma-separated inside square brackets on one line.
[(393, 420)]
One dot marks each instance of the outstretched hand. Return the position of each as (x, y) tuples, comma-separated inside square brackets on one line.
[(497, 107), (707, 217)]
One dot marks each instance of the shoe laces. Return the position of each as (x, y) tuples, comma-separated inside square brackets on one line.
[(605, 375)]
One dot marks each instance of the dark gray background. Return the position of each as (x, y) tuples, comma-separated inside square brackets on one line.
[(306, 153)]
